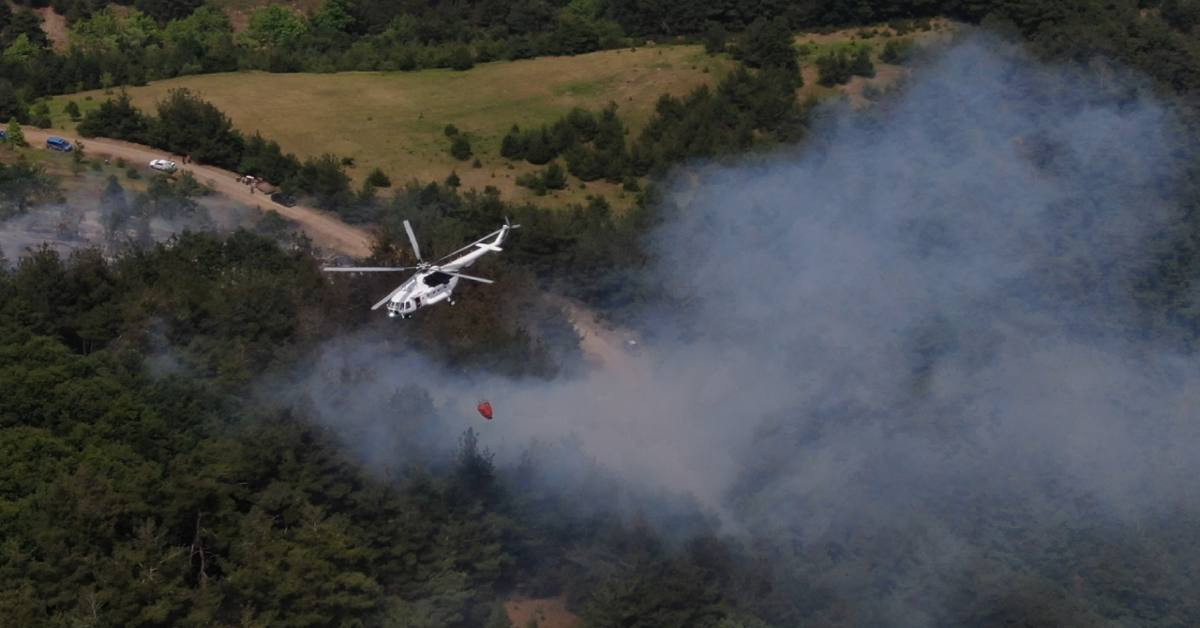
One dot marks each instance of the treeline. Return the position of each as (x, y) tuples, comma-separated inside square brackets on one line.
[(185, 124), (745, 109), (160, 40)]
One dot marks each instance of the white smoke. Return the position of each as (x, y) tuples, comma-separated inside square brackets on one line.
[(921, 312)]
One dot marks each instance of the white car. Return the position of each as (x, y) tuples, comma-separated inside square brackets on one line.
[(164, 165)]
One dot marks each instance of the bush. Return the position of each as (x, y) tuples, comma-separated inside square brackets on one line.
[(513, 144), (533, 181), (768, 45), (450, 130), (188, 125), (898, 51), (833, 68), (460, 148), (453, 181), (583, 163), (539, 149), (378, 179), (862, 65), (461, 58), (72, 110), (117, 119), (714, 38), (39, 116), (132, 173), (554, 178), (14, 134)]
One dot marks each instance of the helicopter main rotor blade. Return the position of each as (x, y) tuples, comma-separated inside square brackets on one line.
[(462, 276), (412, 238), (452, 254), (366, 269)]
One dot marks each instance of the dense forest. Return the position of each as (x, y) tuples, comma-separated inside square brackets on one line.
[(150, 480)]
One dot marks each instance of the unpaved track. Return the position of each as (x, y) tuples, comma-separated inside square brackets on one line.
[(606, 346), (325, 229)]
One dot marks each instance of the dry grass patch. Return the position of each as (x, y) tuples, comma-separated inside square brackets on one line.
[(395, 120), (55, 27), (550, 612)]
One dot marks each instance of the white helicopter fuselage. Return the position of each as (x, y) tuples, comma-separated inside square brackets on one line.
[(421, 290), (432, 286), (434, 282)]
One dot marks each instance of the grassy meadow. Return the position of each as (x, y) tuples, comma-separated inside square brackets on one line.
[(396, 120)]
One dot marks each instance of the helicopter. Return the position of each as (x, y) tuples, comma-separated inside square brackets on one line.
[(433, 282)]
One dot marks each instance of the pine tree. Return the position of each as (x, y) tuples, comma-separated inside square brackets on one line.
[(554, 178), (538, 147), (512, 146), (15, 136)]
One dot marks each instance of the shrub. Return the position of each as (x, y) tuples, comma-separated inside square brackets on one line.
[(554, 178), (378, 179), (461, 58), (14, 134), (513, 144), (460, 148), (898, 51), (833, 68), (862, 65)]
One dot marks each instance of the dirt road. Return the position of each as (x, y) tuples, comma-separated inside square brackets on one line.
[(605, 346), (325, 229)]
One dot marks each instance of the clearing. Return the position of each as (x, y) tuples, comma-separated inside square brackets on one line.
[(395, 120), (326, 230), (550, 612)]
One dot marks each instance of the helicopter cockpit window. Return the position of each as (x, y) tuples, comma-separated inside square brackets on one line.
[(436, 279)]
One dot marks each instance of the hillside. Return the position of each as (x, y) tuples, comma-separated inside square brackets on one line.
[(396, 120), (923, 356)]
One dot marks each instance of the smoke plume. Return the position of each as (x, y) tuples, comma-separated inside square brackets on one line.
[(918, 320)]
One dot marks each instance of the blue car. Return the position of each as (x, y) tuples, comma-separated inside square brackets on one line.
[(55, 142), (3, 135)]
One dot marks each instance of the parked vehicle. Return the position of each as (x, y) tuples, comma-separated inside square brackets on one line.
[(55, 142), (164, 165), (287, 200), (3, 135)]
